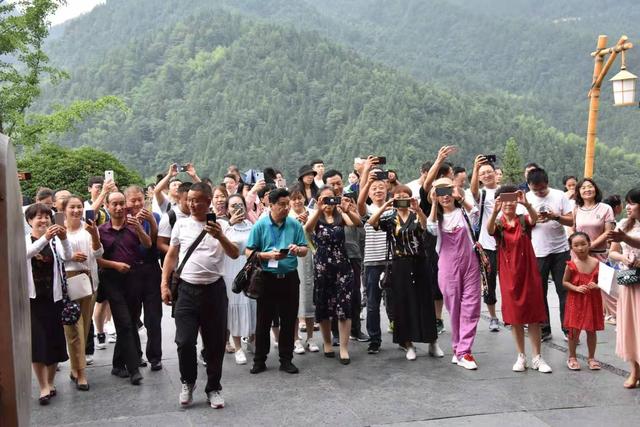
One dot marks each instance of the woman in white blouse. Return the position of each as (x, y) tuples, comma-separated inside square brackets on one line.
[(47, 247), (86, 247)]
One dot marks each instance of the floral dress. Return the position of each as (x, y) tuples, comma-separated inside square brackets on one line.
[(333, 275)]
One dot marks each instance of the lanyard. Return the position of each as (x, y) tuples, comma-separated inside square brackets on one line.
[(276, 240)]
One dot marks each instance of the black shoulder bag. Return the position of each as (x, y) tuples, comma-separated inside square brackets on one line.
[(175, 276)]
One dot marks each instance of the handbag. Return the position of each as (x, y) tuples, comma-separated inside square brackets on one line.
[(79, 286), (242, 281), (71, 310), (485, 264), (629, 277), (386, 279), (175, 276)]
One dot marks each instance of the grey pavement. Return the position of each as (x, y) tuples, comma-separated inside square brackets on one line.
[(383, 389)]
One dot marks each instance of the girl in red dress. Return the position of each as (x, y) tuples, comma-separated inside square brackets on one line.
[(520, 284), (583, 307)]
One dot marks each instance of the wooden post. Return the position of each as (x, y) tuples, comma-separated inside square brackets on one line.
[(594, 105)]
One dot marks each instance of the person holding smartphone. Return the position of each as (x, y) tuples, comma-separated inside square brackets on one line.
[(414, 309), (121, 238), (333, 275), (202, 302), (279, 240)]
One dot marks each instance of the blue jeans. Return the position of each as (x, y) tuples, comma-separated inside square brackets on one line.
[(374, 295)]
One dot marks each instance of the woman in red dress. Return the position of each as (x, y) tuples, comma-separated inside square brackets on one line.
[(520, 284), (583, 306)]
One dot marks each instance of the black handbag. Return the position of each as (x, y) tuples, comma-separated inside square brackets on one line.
[(386, 279), (175, 276), (250, 279), (629, 277)]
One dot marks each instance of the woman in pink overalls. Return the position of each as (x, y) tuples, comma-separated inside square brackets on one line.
[(458, 266)]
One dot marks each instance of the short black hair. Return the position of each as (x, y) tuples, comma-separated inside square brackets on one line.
[(444, 170), (537, 176), (95, 180), (159, 177), (613, 200), (35, 209), (505, 189), (567, 178), (277, 193), (232, 176), (425, 167), (203, 188), (184, 187), (458, 169), (579, 199), (43, 193), (315, 162), (330, 173), (532, 165)]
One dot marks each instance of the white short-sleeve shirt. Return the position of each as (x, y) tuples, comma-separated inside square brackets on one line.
[(549, 237), (164, 228)]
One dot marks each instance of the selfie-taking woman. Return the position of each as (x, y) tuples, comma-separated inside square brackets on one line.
[(47, 248), (86, 246), (413, 305), (242, 309), (458, 266), (306, 177), (333, 275), (219, 202)]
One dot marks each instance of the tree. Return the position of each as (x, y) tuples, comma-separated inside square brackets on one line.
[(512, 164), (63, 168), (24, 26)]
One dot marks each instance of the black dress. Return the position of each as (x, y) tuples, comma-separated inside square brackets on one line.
[(48, 345), (413, 308)]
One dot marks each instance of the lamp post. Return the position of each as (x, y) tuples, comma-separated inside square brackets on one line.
[(623, 86)]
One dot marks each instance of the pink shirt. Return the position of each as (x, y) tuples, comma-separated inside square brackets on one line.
[(592, 221)]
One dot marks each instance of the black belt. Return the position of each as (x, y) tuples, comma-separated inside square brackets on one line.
[(205, 285), (279, 275)]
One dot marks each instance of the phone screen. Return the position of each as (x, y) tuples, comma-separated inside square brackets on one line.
[(284, 251), (401, 203), (89, 215), (211, 218)]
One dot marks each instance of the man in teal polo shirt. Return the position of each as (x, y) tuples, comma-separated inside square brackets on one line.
[(279, 239)]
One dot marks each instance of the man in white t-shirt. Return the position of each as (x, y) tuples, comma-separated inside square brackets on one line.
[(484, 172), (416, 184), (169, 219), (202, 301), (548, 236), (163, 202)]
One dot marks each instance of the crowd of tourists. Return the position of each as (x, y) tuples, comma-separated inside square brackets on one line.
[(333, 252)]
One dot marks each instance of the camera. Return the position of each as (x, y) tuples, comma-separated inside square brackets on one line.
[(401, 203), (491, 158), (332, 201)]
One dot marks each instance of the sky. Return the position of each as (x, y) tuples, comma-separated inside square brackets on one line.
[(73, 9)]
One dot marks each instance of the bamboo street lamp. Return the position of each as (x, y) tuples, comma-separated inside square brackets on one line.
[(624, 84)]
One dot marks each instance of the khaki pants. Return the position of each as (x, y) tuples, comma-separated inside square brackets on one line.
[(76, 335)]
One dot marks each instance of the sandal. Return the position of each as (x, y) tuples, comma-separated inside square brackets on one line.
[(53, 392), (572, 363), (594, 365), (630, 385)]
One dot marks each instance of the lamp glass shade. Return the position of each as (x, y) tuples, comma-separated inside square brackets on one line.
[(624, 88)]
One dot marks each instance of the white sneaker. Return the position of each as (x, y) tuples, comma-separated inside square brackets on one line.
[(248, 346), (454, 360), (186, 394), (468, 362), (215, 399), (298, 348), (521, 363), (540, 365), (435, 350), (88, 359), (411, 353), (312, 346), (112, 338), (241, 357), (110, 327)]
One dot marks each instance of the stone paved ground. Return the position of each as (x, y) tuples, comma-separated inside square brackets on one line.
[(384, 389)]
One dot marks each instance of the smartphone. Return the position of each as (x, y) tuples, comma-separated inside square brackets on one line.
[(281, 183), (401, 203), (491, 158), (183, 168), (89, 215), (211, 218), (108, 176), (444, 191), (237, 208), (382, 160), (128, 212), (543, 210), (259, 176), (509, 197), (58, 218), (313, 204), (382, 175), (284, 251), (332, 201)]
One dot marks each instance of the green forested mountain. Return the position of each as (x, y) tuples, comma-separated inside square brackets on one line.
[(217, 88)]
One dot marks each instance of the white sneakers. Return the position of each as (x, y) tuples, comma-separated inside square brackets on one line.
[(435, 350), (454, 360), (186, 394), (468, 362), (215, 399), (298, 348), (540, 365), (312, 346), (241, 357), (521, 363), (411, 353)]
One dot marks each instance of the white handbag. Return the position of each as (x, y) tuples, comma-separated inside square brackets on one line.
[(79, 287)]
